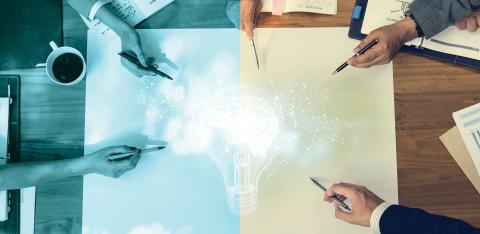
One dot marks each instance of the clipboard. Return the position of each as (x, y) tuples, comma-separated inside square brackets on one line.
[(355, 32), (10, 88)]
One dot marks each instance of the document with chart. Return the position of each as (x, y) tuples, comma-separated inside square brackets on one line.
[(468, 122)]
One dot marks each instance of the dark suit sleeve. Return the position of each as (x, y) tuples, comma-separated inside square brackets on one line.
[(401, 220), (434, 16)]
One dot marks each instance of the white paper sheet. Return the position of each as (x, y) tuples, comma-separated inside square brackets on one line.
[(4, 122), (178, 190), (339, 128), (451, 41), (27, 210)]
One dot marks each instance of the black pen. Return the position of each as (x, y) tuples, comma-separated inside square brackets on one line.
[(362, 51), (135, 61), (130, 154), (334, 197)]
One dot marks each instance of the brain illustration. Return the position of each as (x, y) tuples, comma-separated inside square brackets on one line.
[(247, 121)]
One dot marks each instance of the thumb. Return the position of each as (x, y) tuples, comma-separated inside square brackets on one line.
[(342, 215), (341, 189), (140, 55)]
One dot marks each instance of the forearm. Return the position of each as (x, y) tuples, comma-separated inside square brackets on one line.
[(107, 15), (20, 175), (434, 16), (398, 220)]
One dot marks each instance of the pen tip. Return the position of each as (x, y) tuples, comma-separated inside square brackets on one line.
[(335, 72)]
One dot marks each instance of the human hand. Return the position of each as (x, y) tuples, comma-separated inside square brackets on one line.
[(249, 12), (131, 43), (471, 22), (390, 40), (99, 163), (363, 201)]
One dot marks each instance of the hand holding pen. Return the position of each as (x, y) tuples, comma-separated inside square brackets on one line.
[(363, 202), (390, 39), (249, 12), (152, 69), (131, 43)]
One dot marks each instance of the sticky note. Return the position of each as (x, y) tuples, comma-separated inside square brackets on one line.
[(357, 12), (277, 7)]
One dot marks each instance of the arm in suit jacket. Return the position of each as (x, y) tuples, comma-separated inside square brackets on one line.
[(402, 220), (434, 16)]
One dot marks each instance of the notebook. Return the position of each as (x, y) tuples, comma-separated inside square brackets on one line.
[(450, 41), (132, 11), (277, 7)]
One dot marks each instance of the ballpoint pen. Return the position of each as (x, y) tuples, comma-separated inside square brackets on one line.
[(252, 42), (334, 197), (114, 157), (135, 61), (362, 51)]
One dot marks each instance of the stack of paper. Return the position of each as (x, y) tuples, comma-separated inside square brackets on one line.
[(456, 147), (463, 142), (4, 113)]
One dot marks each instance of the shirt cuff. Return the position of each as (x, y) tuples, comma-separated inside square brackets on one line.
[(376, 215), (96, 6)]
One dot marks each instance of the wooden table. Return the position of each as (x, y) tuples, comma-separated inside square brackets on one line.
[(426, 94)]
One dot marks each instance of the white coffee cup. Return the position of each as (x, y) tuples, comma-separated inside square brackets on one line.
[(57, 52)]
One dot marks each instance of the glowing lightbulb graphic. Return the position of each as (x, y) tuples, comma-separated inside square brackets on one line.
[(244, 130)]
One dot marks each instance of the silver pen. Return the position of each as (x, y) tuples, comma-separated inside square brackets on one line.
[(114, 157), (334, 197), (252, 42)]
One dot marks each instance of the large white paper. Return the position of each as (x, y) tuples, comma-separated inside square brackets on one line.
[(237, 138), (178, 190), (340, 128)]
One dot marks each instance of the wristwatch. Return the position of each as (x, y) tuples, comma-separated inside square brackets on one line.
[(417, 26)]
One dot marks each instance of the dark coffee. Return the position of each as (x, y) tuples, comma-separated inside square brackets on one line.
[(67, 67)]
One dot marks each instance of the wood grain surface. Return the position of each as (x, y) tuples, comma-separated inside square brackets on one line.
[(426, 94)]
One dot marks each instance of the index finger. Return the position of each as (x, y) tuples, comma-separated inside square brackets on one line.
[(367, 57), (136, 70), (340, 189), (121, 149), (247, 13), (370, 37)]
